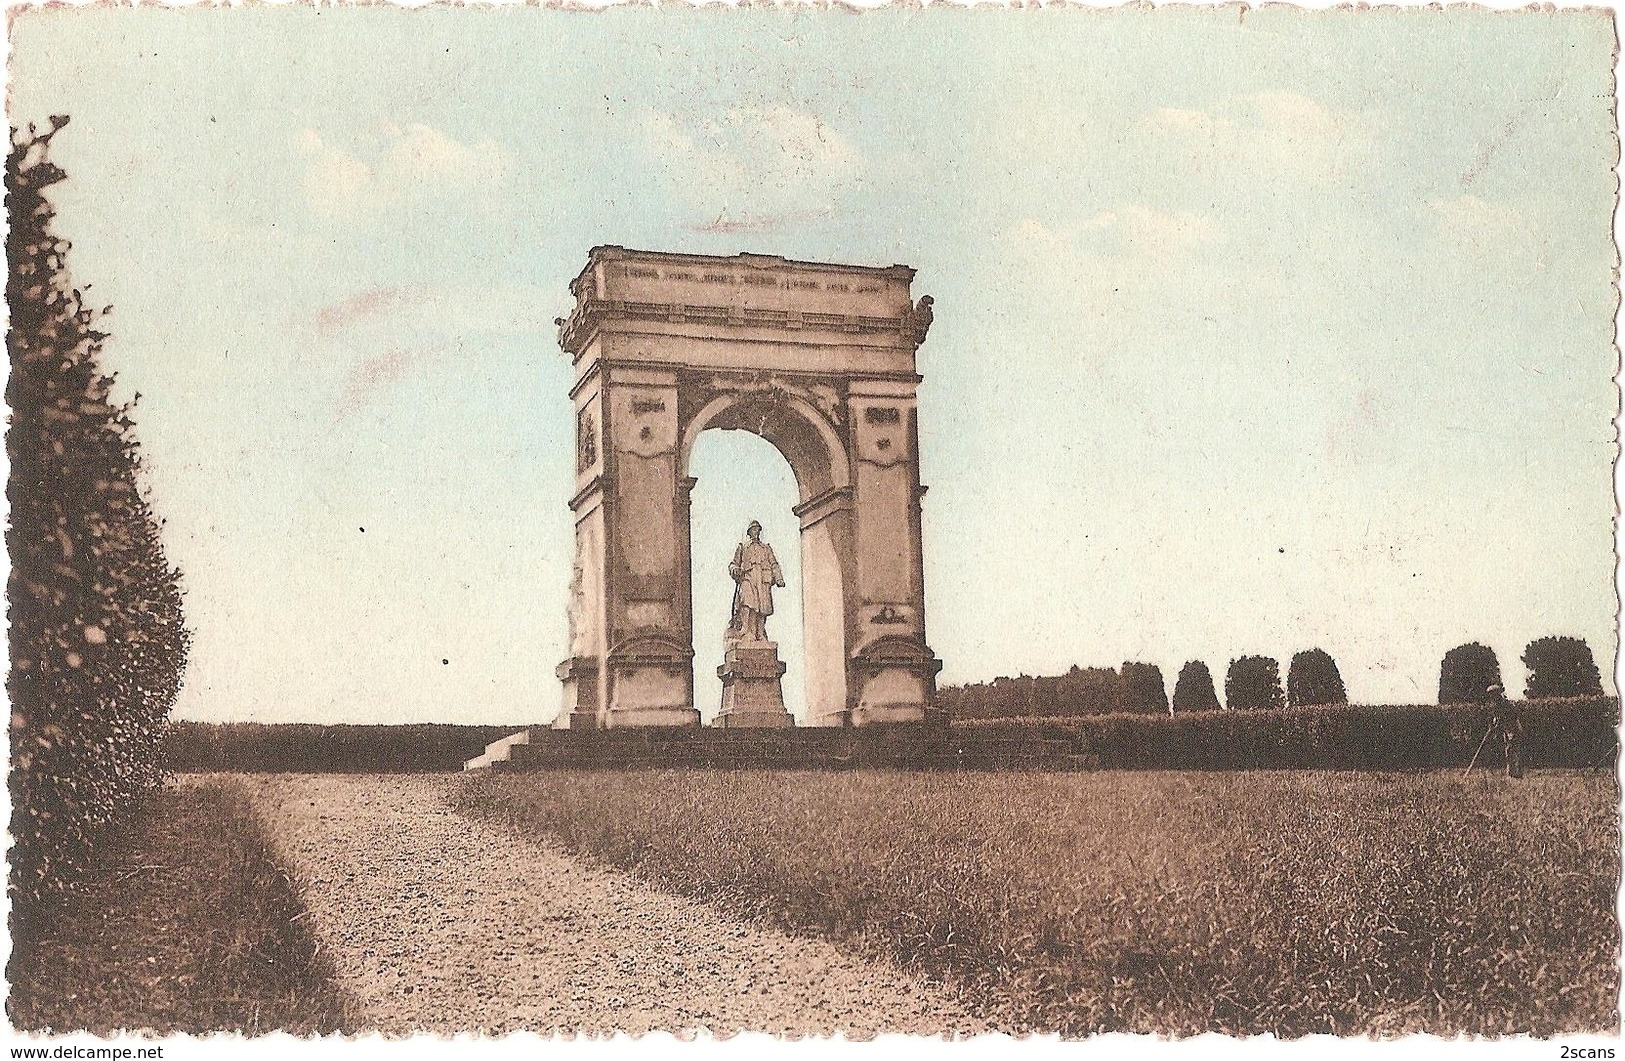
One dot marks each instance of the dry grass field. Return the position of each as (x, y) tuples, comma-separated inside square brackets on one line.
[(187, 923), (1285, 902)]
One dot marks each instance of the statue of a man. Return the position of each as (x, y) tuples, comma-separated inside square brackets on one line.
[(755, 571)]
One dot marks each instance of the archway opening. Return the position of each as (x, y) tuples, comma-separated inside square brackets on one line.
[(739, 477)]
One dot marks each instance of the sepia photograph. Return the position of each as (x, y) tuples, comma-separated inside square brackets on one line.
[(964, 524)]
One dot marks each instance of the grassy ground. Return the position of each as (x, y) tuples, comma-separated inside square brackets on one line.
[(1168, 902), (187, 924)]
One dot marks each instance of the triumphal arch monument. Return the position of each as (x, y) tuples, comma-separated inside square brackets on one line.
[(819, 360)]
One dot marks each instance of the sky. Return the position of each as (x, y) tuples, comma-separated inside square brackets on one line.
[(1255, 330)]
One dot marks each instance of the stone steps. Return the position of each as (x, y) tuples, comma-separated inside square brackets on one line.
[(498, 751)]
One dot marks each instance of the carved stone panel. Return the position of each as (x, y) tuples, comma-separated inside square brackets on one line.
[(586, 590), (824, 397), (885, 537), (647, 509), (882, 433), (645, 420), (586, 441)]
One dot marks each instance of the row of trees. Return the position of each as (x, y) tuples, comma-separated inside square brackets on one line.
[(97, 638), (1558, 667), (1251, 683)]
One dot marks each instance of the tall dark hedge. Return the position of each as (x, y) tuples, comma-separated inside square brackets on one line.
[(1571, 733), (1466, 672), (1144, 692), (1313, 680), (1193, 689), (1253, 683), (1561, 666), (284, 748), (97, 638)]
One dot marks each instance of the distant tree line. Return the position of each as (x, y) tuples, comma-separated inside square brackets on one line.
[(1134, 688), (1558, 667)]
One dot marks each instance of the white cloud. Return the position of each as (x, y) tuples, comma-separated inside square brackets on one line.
[(1125, 258), (1129, 238), (423, 153), (400, 164), (1487, 230), (755, 160), (336, 182), (1264, 136), (1139, 231)]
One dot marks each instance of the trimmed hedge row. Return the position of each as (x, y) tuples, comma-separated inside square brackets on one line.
[(254, 747), (1576, 733)]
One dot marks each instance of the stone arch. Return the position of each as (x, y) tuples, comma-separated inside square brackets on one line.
[(819, 360), (816, 453), (809, 442)]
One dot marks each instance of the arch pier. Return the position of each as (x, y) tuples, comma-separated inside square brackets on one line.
[(819, 360)]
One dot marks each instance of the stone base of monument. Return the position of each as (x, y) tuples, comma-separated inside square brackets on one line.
[(913, 746), (754, 720), (751, 695)]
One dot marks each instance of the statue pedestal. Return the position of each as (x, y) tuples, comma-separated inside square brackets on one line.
[(751, 695)]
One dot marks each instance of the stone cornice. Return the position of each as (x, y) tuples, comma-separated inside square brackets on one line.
[(594, 485), (764, 262), (577, 330), (815, 510)]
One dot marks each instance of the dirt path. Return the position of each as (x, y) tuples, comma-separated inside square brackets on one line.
[(440, 924)]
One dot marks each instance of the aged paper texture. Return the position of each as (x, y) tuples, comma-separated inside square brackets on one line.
[(946, 522)]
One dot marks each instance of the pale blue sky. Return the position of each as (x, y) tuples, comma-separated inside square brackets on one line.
[(1254, 332)]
